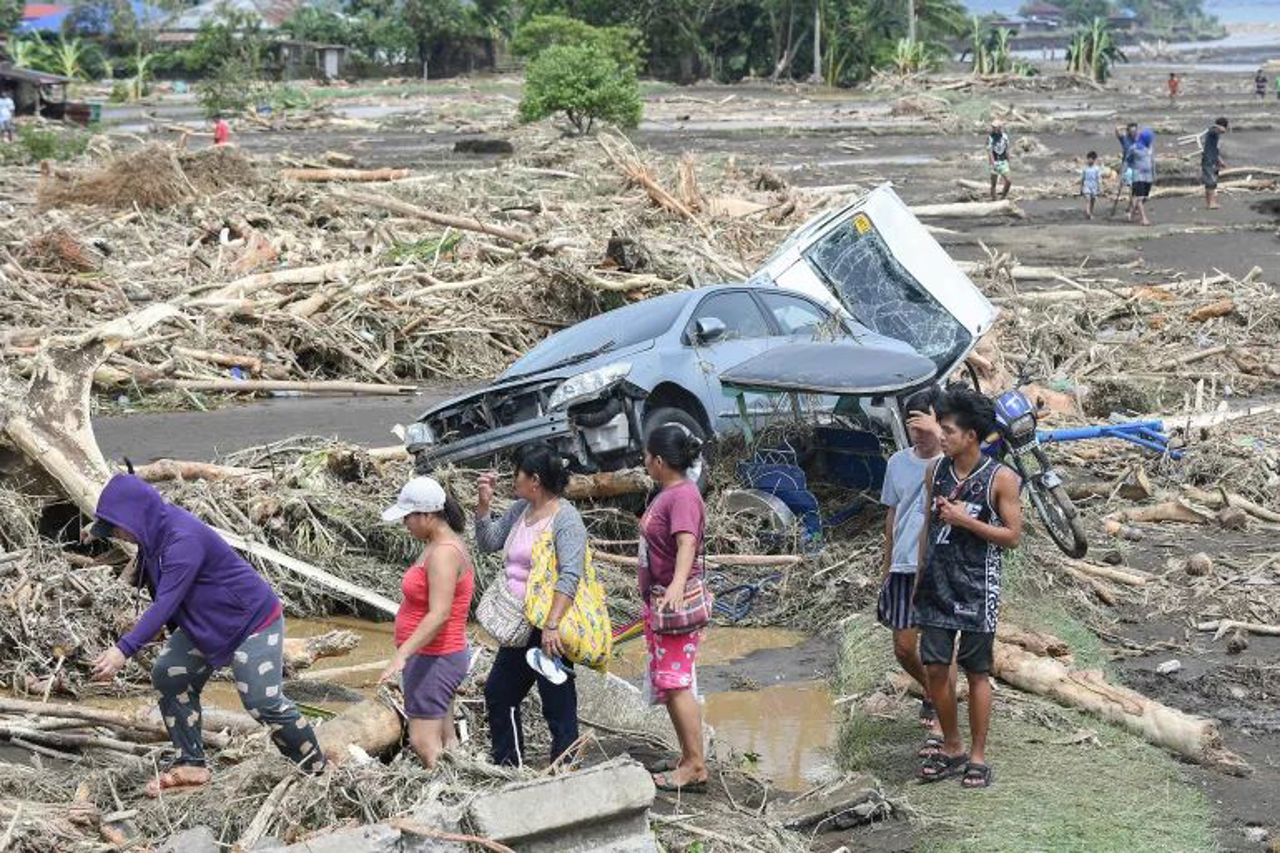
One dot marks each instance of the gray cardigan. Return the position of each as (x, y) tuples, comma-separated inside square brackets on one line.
[(567, 529)]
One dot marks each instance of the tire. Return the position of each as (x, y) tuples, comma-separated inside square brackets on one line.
[(1060, 518), (665, 415)]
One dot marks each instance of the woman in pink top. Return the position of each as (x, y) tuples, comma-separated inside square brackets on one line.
[(540, 479), (671, 540)]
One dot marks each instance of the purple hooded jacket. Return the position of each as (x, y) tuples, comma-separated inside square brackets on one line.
[(198, 582)]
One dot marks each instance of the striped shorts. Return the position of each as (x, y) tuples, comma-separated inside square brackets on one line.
[(893, 610)]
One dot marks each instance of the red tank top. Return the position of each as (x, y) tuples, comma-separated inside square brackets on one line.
[(413, 608)]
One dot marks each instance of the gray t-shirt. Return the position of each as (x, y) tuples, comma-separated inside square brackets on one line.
[(904, 491)]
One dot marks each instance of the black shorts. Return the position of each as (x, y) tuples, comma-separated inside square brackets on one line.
[(893, 609), (1141, 189), (1209, 177), (938, 647)]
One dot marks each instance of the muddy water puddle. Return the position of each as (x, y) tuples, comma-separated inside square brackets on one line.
[(783, 731)]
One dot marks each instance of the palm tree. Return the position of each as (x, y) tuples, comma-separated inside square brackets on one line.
[(28, 52)]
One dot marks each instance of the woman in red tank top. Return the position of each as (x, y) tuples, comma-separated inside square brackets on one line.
[(431, 624)]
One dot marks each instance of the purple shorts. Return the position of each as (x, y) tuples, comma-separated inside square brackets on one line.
[(430, 682)]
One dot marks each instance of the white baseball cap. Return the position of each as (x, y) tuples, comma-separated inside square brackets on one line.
[(421, 494)]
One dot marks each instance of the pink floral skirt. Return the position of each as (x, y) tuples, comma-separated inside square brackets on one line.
[(672, 659)]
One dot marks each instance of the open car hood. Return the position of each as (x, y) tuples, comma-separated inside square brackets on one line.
[(842, 368), (876, 262)]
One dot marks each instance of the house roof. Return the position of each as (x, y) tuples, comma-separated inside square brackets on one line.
[(48, 17), (27, 75), (1041, 9), (272, 12), (40, 10)]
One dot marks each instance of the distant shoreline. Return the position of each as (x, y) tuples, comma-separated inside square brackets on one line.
[(1229, 12)]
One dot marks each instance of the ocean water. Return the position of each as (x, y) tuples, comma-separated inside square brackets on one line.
[(1228, 11)]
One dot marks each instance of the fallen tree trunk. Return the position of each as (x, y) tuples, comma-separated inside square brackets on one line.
[(99, 716), (253, 364), (322, 176), (1222, 627), (1108, 573), (969, 209), (302, 652), (463, 223), (608, 484), (372, 725), (255, 385), (163, 470), (1037, 642), (1173, 510), (1019, 272), (250, 284), (1223, 498), (1194, 738), (343, 671)]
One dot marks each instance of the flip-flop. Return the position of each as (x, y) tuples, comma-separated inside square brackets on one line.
[(941, 766), (932, 746), (928, 714), (977, 775), (663, 765), (660, 782)]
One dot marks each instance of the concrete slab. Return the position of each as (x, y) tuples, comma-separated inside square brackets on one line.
[(602, 808)]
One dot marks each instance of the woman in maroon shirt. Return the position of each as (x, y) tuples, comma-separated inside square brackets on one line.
[(431, 625), (671, 540)]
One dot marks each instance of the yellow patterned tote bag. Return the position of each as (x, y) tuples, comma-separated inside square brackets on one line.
[(584, 628)]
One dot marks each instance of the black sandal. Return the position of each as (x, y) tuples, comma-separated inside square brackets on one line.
[(941, 766), (932, 746), (928, 714), (977, 776)]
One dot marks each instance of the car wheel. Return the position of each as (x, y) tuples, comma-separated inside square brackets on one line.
[(666, 415)]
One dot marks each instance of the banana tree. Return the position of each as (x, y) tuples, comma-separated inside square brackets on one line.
[(1093, 51), (141, 66), (69, 58), (28, 52)]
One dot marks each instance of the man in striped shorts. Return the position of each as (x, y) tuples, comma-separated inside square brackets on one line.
[(903, 498)]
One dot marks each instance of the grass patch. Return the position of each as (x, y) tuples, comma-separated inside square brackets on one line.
[(1051, 795)]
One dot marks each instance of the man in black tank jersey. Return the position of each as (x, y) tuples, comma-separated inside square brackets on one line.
[(976, 514)]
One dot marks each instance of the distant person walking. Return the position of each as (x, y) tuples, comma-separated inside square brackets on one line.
[(6, 116), (998, 158), (1144, 173), (221, 132), (1090, 183), (1211, 161), (1260, 85), (1174, 85)]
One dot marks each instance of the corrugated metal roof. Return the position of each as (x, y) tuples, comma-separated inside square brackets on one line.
[(40, 10), (272, 12), (27, 75)]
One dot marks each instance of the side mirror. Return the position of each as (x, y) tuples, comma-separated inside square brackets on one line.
[(708, 330)]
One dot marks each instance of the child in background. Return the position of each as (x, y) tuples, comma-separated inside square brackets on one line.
[(221, 131), (1090, 183), (1174, 85)]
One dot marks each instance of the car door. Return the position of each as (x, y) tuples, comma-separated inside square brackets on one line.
[(747, 332), (797, 319), (878, 263)]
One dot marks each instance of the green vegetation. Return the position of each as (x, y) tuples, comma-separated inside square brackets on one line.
[(49, 142), (1093, 51), (10, 14), (1057, 790), (428, 249), (585, 84), (912, 57), (622, 44), (992, 51), (70, 57), (233, 88)]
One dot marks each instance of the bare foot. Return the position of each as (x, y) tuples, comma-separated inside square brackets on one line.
[(1214, 207), (181, 776)]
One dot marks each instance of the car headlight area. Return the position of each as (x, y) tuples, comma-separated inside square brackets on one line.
[(587, 385)]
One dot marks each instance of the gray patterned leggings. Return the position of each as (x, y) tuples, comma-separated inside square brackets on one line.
[(180, 673)]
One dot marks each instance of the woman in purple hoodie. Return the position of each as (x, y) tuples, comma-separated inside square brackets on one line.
[(218, 610)]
